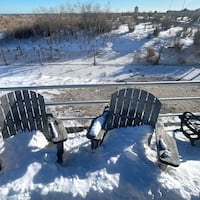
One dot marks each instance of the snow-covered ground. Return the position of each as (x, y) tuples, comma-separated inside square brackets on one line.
[(119, 56), (124, 167)]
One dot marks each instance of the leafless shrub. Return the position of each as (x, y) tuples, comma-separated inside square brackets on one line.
[(150, 52), (90, 18), (131, 27), (178, 46), (23, 32), (166, 23), (153, 56), (181, 61), (156, 31), (94, 19), (131, 24)]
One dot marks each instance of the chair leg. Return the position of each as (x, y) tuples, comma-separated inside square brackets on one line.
[(60, 151), (94, 144), (97, 142), (149, 139)]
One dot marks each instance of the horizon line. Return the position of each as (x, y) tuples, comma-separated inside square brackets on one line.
[(157, 11)]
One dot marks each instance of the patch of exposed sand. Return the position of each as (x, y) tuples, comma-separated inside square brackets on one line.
[(99, 93)]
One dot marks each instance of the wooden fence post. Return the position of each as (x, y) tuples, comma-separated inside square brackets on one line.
[(20, 50), (40, 56), (94, 55), (3, 56)]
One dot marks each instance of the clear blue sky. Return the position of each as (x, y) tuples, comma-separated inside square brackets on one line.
[(28, 6)]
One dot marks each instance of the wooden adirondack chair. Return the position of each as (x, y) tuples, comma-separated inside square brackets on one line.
[(24, 110), (134, 107)]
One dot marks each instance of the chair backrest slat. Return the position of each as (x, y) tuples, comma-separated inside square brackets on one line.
[(29, 109), (118, 109), (148, 108), (43, 115), (141, 101), (132, 109), (155, 111), (9, 126), (126, 106), (21, 111), (36, 111), (110, 118)]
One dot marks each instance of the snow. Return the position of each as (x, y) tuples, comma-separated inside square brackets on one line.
[(97, 125), (124, 167)]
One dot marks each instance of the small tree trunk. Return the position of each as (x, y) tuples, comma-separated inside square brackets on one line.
[(4, 58), (94, 55), (40, 57)]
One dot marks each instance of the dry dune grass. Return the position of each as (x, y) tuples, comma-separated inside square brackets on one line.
[(11, 22)]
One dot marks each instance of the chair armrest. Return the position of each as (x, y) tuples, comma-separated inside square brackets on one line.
[(167, 150), (57, 130), (96, 128), (97, 125)]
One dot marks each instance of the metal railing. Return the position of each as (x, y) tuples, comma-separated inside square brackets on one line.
[(97, 101), (121, 84)]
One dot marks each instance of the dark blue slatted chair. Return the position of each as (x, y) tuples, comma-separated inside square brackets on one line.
[(134, 107), (24, 110)]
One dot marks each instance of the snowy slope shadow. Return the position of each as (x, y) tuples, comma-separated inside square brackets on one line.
[(20, 152), (118, 167)]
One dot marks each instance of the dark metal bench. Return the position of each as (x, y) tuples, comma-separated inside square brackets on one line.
[(135, 107), (190, 126), (24, 110)]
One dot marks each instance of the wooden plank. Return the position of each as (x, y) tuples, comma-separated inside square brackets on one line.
[(166, 146), (126, 105), (76, 129), (3, 126), (2, 121), (140, 108), (155, 112), (44, 118), (9, 125), (148, 108), (119, 108), (110, 118), (14, 113), (29, 110), (36, 111), (22, 111), (133, 105)]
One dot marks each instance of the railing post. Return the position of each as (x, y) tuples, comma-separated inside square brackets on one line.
[(40, 56), (94, 56), (4, 58)]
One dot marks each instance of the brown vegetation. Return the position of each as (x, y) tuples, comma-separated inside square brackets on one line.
[(89, 18)]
